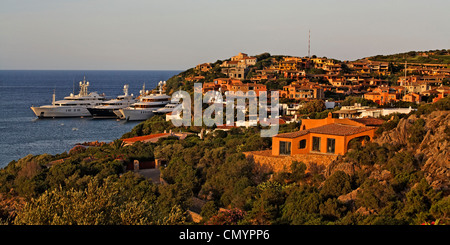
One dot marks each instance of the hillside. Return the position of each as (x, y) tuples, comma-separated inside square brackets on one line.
[(428, 138), (401, 178), (430, 57)]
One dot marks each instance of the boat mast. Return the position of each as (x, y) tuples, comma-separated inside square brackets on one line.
[(54, 97), (83, 87), (125, 89)]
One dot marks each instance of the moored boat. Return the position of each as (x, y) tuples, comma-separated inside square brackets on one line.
[(146, 107), (71, 106), (107, 109)]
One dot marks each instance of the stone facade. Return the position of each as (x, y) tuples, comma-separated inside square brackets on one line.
[(269, 163)]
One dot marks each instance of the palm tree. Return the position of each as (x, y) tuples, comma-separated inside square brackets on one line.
[(115, 147), (117, 144)]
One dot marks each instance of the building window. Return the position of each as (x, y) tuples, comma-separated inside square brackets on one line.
[(285, 148), (302, 144), (316, 144), (331, 145)]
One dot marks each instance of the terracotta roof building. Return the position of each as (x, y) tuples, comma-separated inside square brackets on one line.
[(153, 138), (326, 136)]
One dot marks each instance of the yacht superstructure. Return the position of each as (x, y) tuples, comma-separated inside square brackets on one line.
[(108, 108), (71, 106), (146, 106), (169, 107)]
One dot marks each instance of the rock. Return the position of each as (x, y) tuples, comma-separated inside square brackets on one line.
[(347, 167), (432, 153), (349, 197), (434, 150)]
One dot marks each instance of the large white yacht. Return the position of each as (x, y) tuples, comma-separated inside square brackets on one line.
[(167, 108), (107, 108), (71, 106), (170, 106), (145, 108)]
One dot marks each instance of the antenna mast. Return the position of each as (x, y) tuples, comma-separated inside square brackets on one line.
[(309, 44)]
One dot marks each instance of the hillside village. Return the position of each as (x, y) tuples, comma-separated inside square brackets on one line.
[(368, 90), (302, 79), (359, 142), (329, 103)]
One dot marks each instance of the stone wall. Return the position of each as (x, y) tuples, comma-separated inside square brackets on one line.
[(269, 163)]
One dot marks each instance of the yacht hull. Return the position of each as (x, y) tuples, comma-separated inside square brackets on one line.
[(136, 115), (102, 113), (52, 112)]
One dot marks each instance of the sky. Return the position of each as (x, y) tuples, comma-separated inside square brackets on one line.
[(179, 34)]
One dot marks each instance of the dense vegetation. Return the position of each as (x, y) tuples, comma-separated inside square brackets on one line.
[(432, 57), (371, 184), (90, 186)]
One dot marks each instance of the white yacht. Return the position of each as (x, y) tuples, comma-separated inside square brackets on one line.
[(168, 107), (71, 106), (142, 93), (108, 108), (144, 109)]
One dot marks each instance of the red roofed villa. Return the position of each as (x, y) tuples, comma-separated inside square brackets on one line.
[(326, 136)]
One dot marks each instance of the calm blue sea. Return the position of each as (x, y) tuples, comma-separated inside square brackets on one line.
[(21, 133)]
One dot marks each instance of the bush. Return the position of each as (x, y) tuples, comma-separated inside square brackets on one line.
[(99, 204), (227, 217), (337, 184), (417, 131)]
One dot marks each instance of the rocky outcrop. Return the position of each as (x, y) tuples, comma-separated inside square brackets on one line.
[(433, 151), (436, 149), (339, 165)]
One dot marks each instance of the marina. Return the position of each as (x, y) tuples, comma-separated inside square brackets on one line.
[(94, 105), (24, 133)]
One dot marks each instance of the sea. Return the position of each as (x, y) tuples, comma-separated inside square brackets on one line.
[(22, 133)]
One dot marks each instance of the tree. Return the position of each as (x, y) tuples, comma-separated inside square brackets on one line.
[(117, 144), (332, 209), (351, 100), (267, 206), (208, 210), (374, 195), (227, 217), (297, 171), (419, 201), (101, 203), (337, 184), (345, 69), (313, 106), (301, 206), (417, 131), (227, 181), (441, 210), (395, 68)]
